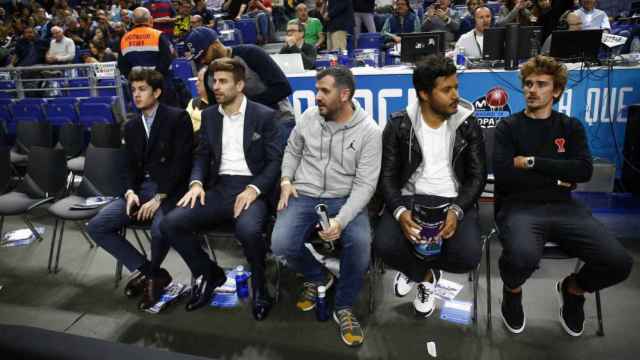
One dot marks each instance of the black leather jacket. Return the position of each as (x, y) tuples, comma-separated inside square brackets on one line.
[(398, 164)]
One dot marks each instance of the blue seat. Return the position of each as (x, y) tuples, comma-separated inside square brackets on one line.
[(91, 113), (60, 114), (5, 102), (249, 30), (109, 100), (370, 41), (27, 110), (237, 38), (182, 69), (79, 92), (63, 100), (7, 119), (7, 85), (107, 92)]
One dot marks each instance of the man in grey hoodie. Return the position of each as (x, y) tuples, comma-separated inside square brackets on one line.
[(433, 172), (332, 158)]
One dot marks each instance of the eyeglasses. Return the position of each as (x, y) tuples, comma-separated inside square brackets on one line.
[(292, 31)]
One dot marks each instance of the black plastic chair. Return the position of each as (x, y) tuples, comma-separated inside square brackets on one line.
[(29, 134), (102, 135), (103, 176), (5, 170), (44, 181)]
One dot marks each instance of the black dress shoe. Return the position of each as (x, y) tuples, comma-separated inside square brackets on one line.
[(154, 288), (135, 285), (201, 294), (262, 304)]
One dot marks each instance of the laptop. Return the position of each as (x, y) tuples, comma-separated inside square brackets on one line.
[(289, 63)]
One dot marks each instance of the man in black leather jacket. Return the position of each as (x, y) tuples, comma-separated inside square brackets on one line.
[(433, 172)]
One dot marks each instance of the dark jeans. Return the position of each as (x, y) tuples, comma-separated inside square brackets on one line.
[(105, 229), (461, 253), (525, 227), (182, 225)]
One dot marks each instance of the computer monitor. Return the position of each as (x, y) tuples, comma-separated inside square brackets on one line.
[(493, 43), (414, 46), (529, 41), (576, 45)]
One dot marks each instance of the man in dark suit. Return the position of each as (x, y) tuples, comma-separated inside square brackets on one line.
[(159, 147), (236, 166)]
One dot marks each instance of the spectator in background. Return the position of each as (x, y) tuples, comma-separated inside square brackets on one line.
[(318, 11), (313, 32), (30, 50), (206, 16), (574, 23), (215, 6), (182, 23), (261, 11), (339, 19), (85, 28), (514, 11), (235, 8), (593, 18), (75, 33), (102, 33), (363, 14), (295, 44), (42, 24), (62, 50), (472, 42), (198, 103), (118, 32), (125, 19), (99, 52), (163, 15), (440, 17), (468, 22), (547, 14), (404, 20), (196, 21)]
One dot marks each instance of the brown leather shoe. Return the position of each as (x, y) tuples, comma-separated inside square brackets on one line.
[(135, 285), (154, 288)]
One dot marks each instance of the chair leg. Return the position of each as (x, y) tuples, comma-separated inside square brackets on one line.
[(55, 269), (53, 244), (31, 227), (475, 294), (118, 273), (488, 275), (144, 252), (85, 235), (1, 225), (373, 277), (212, 253), (599, 312)]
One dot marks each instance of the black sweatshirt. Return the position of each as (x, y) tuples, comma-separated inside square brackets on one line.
[(559, 145)]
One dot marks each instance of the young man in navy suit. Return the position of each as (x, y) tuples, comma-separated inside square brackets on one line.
[(236, 164), (159, 148)]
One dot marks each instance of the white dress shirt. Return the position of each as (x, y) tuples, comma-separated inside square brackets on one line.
[(594, 19), (472, 42), (232, 161)]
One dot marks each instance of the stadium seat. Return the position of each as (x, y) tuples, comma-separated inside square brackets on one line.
[(249, 30), (79, 92), (98, 100), (63, 100), (60, 114), (107, 92), (182, 69), (91, 113), (27, 110), (7, 85), (370, 41)]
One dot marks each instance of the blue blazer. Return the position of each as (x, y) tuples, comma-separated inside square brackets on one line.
[(261, 144)]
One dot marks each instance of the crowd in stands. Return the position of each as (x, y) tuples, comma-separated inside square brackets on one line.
[(29, 36)]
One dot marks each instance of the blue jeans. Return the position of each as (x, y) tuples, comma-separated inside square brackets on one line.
[(262, 19), (297, 222), (105, 230)]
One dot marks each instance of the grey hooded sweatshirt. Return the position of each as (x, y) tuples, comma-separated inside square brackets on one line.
[(324, 159)]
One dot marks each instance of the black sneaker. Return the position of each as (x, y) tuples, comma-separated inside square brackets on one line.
[(513, 312), (571, 310)]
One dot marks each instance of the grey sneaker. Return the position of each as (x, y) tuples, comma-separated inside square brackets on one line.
[(307, 299), (351, 332)]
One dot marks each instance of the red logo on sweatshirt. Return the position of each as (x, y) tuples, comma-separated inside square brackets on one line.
[(560, 144)]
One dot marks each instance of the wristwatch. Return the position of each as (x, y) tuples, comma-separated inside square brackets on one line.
[(531, 161), (159, 197)]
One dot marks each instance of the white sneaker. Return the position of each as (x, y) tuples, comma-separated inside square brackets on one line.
[(425, 301), (402, 285)]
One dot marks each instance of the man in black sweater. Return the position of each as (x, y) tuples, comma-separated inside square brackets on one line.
[(540, 155)]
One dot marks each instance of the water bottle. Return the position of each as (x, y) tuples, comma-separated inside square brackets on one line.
[(460, 59), (242, 287), (322, 313)]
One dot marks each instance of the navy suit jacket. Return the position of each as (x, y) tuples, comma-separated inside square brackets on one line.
[(167, 154), (261, 144)]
